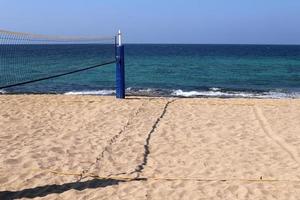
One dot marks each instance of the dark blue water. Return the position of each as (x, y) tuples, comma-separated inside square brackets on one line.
[(161, 70)]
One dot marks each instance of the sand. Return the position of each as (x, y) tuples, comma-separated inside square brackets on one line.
[(178, 148)]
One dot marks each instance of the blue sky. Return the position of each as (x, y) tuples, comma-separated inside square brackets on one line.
[(160, 21)]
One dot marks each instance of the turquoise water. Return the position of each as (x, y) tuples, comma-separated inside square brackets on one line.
[(164, 70)]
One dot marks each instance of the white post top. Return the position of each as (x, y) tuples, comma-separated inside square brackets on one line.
[(120, 38)]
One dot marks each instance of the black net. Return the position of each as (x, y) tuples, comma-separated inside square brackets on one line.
[(27, 58)]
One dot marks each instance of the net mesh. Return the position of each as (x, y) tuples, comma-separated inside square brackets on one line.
[(26, 58)]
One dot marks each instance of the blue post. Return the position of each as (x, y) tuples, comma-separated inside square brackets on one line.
[(120, 72)]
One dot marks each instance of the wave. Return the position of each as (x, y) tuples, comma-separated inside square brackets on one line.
[(235, 94), (2, 91), (130, 91), (92, 92), (210, 93)]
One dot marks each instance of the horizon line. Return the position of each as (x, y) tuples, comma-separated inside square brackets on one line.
[(257, 44)]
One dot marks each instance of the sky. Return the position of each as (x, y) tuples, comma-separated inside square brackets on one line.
[(160, 21)]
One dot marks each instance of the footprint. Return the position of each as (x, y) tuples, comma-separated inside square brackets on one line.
[(13, 161)]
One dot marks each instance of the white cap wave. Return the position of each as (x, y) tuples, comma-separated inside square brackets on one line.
[(215, 92), (91, 92)]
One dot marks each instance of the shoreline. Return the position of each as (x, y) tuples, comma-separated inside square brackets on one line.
[(213, 92), (128, 96)]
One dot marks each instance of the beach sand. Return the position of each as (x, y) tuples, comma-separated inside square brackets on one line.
[(184, 148)]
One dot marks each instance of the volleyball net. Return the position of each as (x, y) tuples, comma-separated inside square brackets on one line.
[(27, 58)]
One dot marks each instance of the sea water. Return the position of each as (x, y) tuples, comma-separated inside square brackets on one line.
[(185, 70)]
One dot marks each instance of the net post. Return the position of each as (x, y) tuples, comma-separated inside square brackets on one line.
[(120, 69)]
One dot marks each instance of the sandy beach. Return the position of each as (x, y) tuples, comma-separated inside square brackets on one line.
[(91, 147)]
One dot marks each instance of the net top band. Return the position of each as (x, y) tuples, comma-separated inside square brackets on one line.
[(10, 35)]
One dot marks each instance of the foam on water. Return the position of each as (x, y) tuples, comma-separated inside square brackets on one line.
[(140, 91), (212, 92), (2, 91), (282, 95), (215, 89), (234, 94), (92, 92), (130, 91)]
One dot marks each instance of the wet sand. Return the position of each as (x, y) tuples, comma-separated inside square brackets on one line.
[(178, 148)]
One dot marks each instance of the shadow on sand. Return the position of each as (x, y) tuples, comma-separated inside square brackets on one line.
[(43, 191)]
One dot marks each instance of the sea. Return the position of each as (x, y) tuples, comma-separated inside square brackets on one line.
[(163, 70)]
